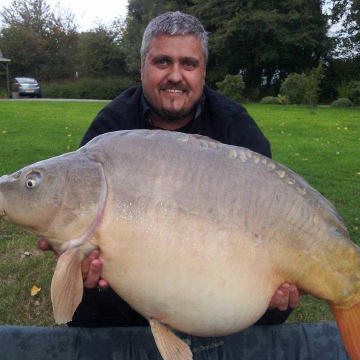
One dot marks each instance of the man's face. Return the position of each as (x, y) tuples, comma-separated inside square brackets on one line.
[(173, 76)]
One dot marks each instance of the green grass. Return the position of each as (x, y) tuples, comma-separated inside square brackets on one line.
[(32, 131), (323, 147)]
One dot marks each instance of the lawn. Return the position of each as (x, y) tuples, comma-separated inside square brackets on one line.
[(31, 131), (322, 146)]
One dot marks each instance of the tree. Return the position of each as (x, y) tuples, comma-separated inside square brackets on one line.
[(346, 15), (232, 86), (265, 41), (293, 88), (100, 52), (312, 85), (353, 27), (39, 41)]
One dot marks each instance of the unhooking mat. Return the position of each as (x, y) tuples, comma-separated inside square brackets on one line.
[(315, 341)]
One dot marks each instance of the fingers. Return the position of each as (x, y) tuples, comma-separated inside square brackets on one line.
[(93, 276), (91, 271), (287, 295), (103, 285), (276, 300), (85, 266), (90, 267), (294, 297), (284, 303), (43, 245)]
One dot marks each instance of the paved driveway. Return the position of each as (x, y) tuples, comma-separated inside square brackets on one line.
[(45, 99)]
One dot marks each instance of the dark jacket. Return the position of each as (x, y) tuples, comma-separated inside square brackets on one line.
[(221, 119), (217, 117)]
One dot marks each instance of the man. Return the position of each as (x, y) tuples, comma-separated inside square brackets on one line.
[(173, 96)]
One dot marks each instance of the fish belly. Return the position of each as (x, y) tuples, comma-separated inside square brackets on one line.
[(198, 277)]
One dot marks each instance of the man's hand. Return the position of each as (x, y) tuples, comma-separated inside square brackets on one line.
[(44, 246), (286, 296), (91, 272), (90, 267)]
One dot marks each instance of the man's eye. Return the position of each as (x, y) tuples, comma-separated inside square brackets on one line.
[(189, 64), (161, 62)]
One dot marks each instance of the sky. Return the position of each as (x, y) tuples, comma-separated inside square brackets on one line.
[(88, 12)]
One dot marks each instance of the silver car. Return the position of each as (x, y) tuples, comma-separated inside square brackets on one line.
[(26, 86)]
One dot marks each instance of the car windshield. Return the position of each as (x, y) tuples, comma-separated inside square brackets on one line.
[(26, 80)]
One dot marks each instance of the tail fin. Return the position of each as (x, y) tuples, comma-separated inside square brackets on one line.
[(348, 321)]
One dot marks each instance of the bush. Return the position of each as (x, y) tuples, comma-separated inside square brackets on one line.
[(293, 87), (283, 100), (312, 85), (3, 93), (233, 87), (343, 90), (342, 103), (87, 88), (354, 92), (272, 100)]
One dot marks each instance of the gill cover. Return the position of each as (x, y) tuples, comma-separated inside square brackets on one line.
[(59, 198)]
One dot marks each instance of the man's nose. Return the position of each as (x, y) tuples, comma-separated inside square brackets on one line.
[(175, 74)]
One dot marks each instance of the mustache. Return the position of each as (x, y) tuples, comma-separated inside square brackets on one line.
[(171, 86)]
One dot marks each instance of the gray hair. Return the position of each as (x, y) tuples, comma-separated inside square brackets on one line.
[(174, 23)]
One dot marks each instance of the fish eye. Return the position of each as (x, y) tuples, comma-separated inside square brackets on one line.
[(32, 180)]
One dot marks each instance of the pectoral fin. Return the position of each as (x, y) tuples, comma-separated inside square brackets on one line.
[(67, 286), (170, 346)]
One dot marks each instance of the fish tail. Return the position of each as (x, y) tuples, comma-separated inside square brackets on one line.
[(348, 321)]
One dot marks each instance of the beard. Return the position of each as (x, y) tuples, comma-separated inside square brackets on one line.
[(171, 116)]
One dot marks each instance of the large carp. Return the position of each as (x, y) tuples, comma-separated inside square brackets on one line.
[(195, 235)]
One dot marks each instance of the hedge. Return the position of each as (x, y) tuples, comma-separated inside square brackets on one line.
[(88, 88), (342, 103)]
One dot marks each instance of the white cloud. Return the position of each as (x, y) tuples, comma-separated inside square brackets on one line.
[(88, 12)]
